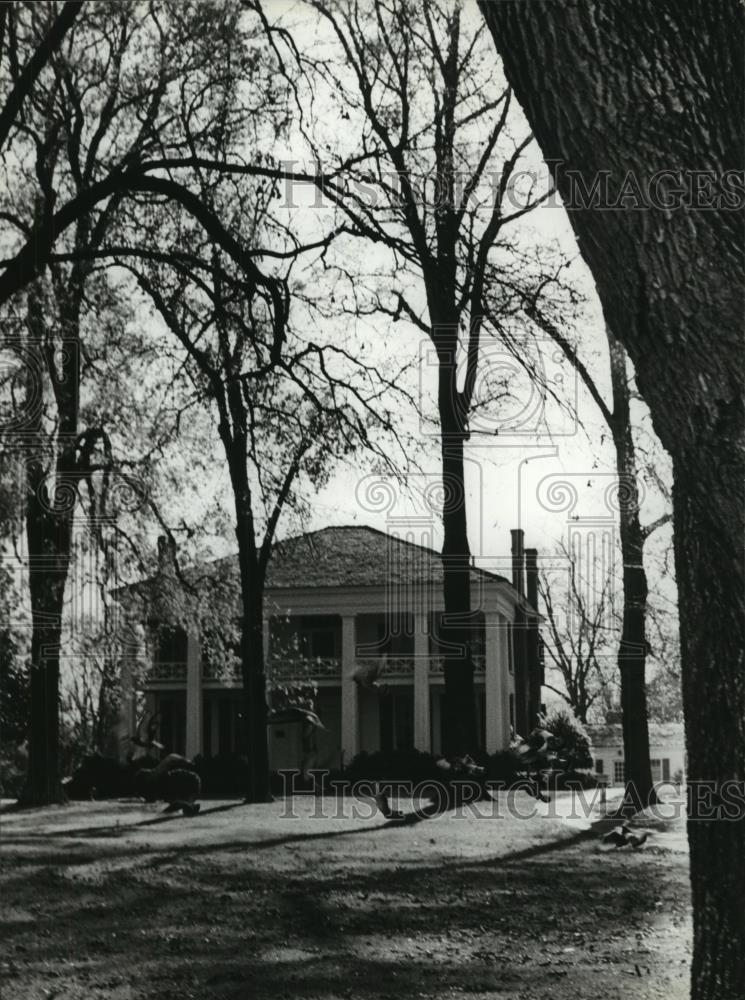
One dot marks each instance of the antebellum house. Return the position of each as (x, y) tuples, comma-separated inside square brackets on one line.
[(344, 604), (666, 750)]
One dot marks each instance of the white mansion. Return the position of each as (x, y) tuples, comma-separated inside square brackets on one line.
[(342, 599)]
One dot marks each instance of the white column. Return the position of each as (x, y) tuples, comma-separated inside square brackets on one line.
[(193, 697), (129, 666), (422, 725), (350, 712), (495, 666)]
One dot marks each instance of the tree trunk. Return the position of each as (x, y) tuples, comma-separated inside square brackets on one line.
[(49, 539), (632, 653), (49, 514), (460, 706), (47, 588), (710, 587), (254, 701), (252, 630), (649, 94)]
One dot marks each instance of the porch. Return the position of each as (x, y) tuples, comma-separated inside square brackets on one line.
[(199, 706)]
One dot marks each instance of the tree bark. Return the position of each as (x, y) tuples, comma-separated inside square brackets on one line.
[(634, 90), (254, 731), (49, 514), (632, 652), (460, 707), (47, 587)]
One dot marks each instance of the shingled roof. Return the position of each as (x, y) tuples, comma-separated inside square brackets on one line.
[(345, 556), (355, 556)]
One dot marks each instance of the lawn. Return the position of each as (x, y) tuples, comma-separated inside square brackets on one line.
[(113, 900)]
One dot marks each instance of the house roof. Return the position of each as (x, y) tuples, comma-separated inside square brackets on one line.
[(659, 732), (355, 556), (344, 556)]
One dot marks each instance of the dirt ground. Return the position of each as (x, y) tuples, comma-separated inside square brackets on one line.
[(114, 900)]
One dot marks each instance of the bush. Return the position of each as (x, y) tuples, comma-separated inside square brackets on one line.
[(394, 765), (100, 777), (569, 731), (415, 766), (501, 766), (223, 774)]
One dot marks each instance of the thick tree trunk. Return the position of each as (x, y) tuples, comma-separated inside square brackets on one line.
[(460, 706), (632, 653), (254, 701), (652, 95), (49, 539), (49, 510), (252, 619), (711, 591), (43, 781)]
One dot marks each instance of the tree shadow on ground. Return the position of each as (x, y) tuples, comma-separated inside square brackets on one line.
[(218, 920)]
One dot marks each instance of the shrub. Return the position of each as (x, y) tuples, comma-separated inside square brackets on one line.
[(103, 777), (223, 774), (393, 765), (575, 743), (501, 766)]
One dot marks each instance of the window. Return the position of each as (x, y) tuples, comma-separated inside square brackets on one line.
[(228, 725), (171, 711), (599, 765), (619, 772), (319, 637), (656, 768), (397, 720)]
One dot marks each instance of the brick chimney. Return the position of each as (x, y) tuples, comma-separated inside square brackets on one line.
[(533, 638), (531, 577), (518, 560)]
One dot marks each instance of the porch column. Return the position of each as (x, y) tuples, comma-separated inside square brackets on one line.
[(422, 726), (350, 712), (495, 673), (129, 666), (193, 696)]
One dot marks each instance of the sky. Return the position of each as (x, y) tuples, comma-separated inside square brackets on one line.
[(530, 465)]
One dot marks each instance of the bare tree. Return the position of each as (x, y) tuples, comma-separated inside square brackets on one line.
[(579, 636), (23, 78), (634, 645), (430, 180), (88, 123)]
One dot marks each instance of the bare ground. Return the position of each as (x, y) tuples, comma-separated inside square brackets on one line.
[(112, 900)]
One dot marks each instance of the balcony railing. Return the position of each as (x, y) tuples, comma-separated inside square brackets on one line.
[(309, 668), (437, 665), (168, 672), (214, 672), (305, 669)]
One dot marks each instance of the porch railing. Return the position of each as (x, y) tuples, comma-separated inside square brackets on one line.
[(309, 668), (306, 669), (167, 672)]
